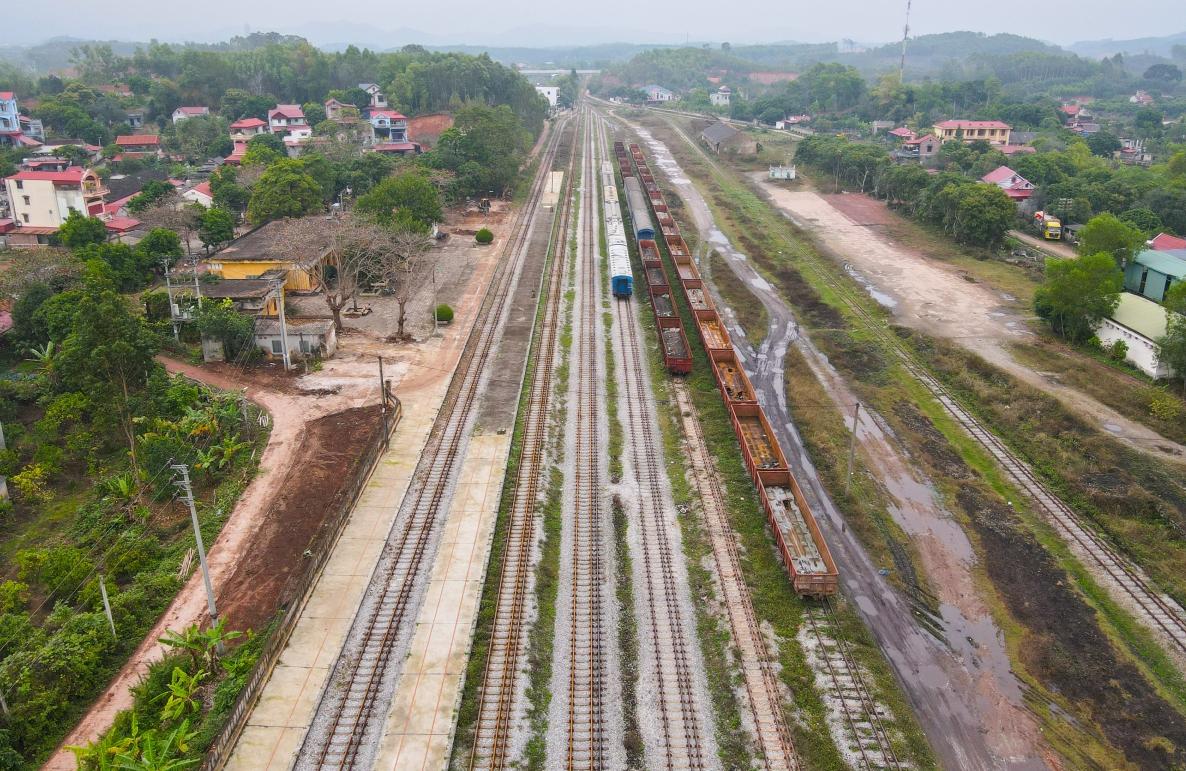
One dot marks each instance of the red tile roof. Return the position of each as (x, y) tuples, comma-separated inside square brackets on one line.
[(902, 132), (392, 114), (1163, 242), (6, 95), (972, 124), (1071, 109), (137, 140), (248, 123), (286, 111), (203, 189), (72, 175), (396, 147), (121, 224), (193, 110)]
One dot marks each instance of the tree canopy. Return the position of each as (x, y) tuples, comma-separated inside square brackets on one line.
[(405, 201), (284, 190), (1078, 294)]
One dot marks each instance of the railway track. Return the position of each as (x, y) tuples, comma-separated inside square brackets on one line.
[(499, 694), (348, 725), (762, 687), (581, 687), (1160, 613), (869, 743), (684, 737)]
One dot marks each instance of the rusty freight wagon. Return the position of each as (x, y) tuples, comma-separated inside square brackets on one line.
[(677, 356)]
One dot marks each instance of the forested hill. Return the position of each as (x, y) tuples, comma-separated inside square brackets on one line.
[(241, 79)]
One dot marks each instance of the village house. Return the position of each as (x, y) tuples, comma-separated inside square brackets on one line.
[(307, 338), (1015, 186), (257, 253), (921, 149), (249, 296), (244, 129), (1141, 97), (42, 200), (287, 120), (1164, 242), (720, 97), (721, 138), (334, 109), (1139, 323), (136, 118), (181, 113), (199, 194), (378, 100), (138, 145), (656, 93), (389, 125), (15, 129), (992, 131), (1152, 273)]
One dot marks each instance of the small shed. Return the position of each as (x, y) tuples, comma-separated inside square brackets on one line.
[(723, 138), (307, 338), (1139, 323)]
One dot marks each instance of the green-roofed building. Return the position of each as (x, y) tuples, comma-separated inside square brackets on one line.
[(1139, 323), (1152, 273)]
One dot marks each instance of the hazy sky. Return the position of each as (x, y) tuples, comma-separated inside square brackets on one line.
[(386, 23)]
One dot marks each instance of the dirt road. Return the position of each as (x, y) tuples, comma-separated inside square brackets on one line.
[(938, 299), (1053, 248), (963, 692)]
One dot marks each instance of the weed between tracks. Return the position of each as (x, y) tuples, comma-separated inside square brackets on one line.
[(1017, 552)]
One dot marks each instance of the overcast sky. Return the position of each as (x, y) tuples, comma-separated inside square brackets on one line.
[(384, 23)]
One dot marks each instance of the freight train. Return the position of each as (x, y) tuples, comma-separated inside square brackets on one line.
[(800, 542), (640, 214)]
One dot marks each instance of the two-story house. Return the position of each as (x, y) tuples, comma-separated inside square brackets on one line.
[(42, 200), (720, 97), (288, 120), (378, 100), (12, 132), (992, 131), (389, 125)]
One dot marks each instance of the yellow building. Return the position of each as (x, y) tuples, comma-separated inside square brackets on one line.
[(260, 252), (992, 131)]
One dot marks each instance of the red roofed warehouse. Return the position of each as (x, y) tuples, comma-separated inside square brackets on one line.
[(136, 145), (992, 131)]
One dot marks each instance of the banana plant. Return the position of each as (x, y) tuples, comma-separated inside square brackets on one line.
[(181, 694), (160, 753)]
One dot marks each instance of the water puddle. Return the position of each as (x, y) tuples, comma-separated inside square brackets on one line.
[(882, 299)]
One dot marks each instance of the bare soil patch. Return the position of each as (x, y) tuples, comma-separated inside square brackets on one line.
[(324, 464)]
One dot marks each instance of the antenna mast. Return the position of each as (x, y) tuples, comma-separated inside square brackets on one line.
[(905, 35)]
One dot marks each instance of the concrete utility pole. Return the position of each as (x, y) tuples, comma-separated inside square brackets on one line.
[(187, 495), (279, 289), (3, 480), (905, 36), (172, 307), (107, 605), (852, 447)]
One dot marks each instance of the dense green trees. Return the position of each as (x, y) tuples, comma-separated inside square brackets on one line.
[(284, 190), (484, 149), (1110, 235), (216, 227), (406, 201), (80, 230), (1078, 294)]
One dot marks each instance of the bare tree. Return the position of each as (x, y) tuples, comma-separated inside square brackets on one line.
[(404, 268), (182, 218), (353, 250), (25, 267)]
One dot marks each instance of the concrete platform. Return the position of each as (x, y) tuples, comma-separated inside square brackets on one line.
[(278, 723), (419, 728)]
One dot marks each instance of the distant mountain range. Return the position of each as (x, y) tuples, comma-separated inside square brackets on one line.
[(1158, 46)]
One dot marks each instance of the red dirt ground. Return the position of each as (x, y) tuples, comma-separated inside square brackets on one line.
[(861, 209), (426, 129), (326, 461)]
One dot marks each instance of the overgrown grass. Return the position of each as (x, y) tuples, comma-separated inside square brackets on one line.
[(884, 387), (751, 313)]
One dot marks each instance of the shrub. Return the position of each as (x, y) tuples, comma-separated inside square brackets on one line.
[(484, 236), (1118, 350), (444, 313), (13, 596), (1163, 405), (32, 483)]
